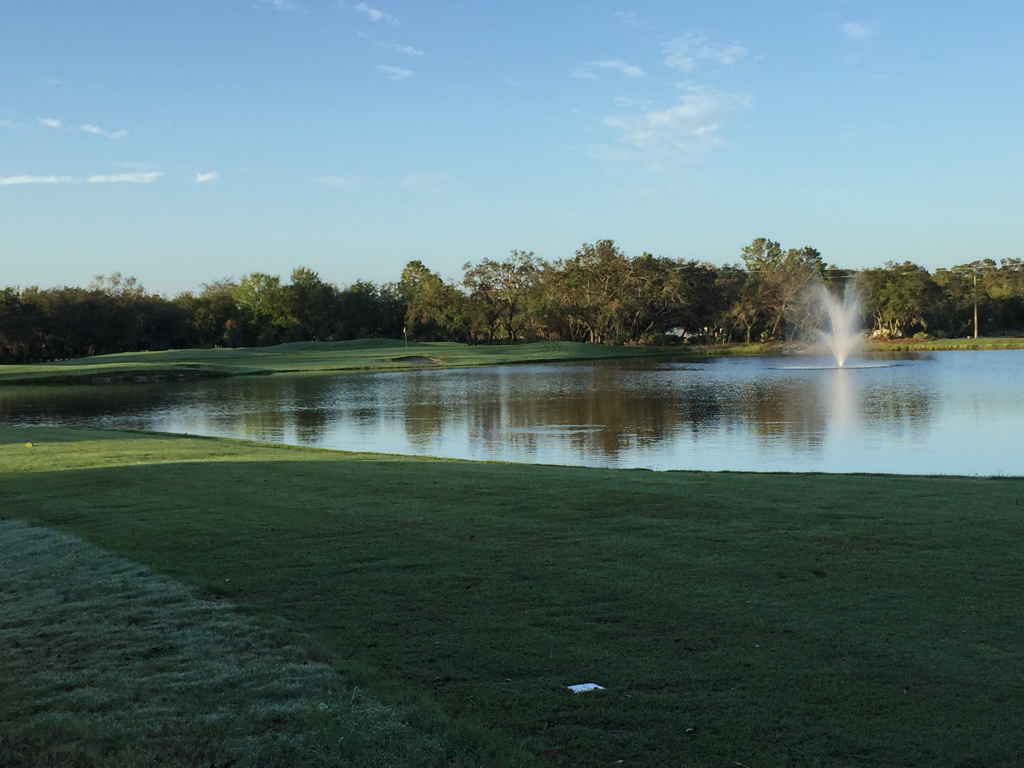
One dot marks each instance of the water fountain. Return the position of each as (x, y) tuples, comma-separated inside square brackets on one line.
[(843, 333)]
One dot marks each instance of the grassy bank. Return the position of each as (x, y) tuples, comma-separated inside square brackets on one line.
[(761, 620), (311, 357), (389, 354), (918, 345)]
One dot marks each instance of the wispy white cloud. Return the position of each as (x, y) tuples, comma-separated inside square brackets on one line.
[(395, 73), (280, 5), (685, 52), (339, 182), (39, 180), (408, 50), (429, 183), (50, 122), (629, 70), (202, 178), (136, 178), (857, 31), (677, 132), (629, 19), (7, 123), (373, 14), (629, 101), (131, 178), (100, 132)]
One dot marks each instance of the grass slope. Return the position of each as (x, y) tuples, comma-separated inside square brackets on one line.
[(938, 345), (107, 663), (389, 354), (802, 620), (309, 357)]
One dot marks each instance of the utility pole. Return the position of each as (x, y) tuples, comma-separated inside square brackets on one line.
[(974, 269), (975, 304)]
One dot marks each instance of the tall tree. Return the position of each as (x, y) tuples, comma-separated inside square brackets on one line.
[(501, 292), (900, 297), (434, 308), (312, 304), (265, 303), (778, 284)]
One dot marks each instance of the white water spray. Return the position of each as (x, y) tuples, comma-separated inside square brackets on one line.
[(843, 334)]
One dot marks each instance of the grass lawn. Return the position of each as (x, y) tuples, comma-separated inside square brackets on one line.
[(311, 357), (760, 620), (107, 663), (938, 345), (388, 354)]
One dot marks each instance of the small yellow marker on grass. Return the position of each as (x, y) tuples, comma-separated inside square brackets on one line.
[(28, 445)]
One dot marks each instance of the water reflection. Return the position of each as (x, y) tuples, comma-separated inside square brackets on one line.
[(743, 414)]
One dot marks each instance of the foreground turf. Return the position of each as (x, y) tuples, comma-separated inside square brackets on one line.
[(761, 620), (107, 663)]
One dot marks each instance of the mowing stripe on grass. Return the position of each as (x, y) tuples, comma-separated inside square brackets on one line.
[(104, 662)]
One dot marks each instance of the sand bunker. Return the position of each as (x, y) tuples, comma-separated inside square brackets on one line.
[(416, 360)]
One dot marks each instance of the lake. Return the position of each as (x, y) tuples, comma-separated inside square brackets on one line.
[(936, 413)]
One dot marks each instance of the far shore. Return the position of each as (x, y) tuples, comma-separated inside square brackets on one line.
[(375, 355)]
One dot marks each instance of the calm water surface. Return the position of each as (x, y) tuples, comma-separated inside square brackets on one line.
[(949, 413)]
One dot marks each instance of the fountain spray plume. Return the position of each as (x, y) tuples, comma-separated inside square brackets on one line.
[(843, 334)]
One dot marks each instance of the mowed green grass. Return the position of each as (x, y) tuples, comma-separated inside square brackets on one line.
[(938, 345), (389, 354), (765, 620), (311, 357), (104, 662)]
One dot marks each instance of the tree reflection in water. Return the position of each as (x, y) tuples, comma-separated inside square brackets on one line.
[(722, 414)]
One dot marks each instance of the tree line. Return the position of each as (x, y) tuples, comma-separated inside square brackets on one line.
[(600, 295)]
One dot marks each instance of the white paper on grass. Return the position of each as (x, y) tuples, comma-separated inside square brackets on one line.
[(583, 687)]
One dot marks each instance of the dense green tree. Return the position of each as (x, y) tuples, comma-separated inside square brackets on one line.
[(434, 309), (779, 288), (600, 295), (501, 292), (312, 306), (214, 317), (587, 291), (901, 298)]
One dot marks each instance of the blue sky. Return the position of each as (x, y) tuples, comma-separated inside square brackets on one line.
[(184, 142)]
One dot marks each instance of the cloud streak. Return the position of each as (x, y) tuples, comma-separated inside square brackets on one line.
[(429, 183), (408, 50), (96, 130), (339, 182), (679, 131), (6, 180), (50, 122), (129, 178), (686, 52), (133, 178), (857, 31), (629, 19), (395, 73), (281, 5), (629, 70), (374, 15), (202, 178)]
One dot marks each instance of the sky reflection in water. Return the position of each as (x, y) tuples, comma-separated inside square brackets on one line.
[(951, 413)]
